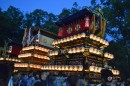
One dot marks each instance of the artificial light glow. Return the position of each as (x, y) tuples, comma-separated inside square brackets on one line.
[(24, 55), (91, 68), (94, 37), (80, 68), (75, 37), (28, 48), (108, 55), (91, 49), (76, 50), (98, 39)]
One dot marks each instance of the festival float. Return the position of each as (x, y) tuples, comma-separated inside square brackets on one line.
[(78, 48), (36, 45), (9, 53)]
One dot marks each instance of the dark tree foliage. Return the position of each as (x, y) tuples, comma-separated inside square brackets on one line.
[(117, 14), (13, 22), (10, 25)]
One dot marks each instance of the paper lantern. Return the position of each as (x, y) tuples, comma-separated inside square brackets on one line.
[(94, 51), (52, 67), (91, 36), (74, 68), (82, 49), (91, 49), (74, 50), (66, 67), (70, 67), (101, 41), (98, 39), (58, 67), (105, 54), (67, 39), (80, 68), (71, 38), (99, 69), (94, 37), (83, 35), (78, 36), (91, 68), (42, 68), (64, 40)]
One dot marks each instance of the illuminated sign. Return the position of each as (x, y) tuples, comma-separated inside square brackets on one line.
[(46, 41)]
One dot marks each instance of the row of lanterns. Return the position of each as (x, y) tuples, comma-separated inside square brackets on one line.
[(36, 47), (27, 65), (53, 53), (21, 65), (51, 67), (24, 55), (94, 51), (95, 69), (115, 72), (108, 55), (63, 67), (35, 55), (96, 38), (10, 59), (67, 39), (35, 66), (28, 48), (15, 70), (41, 57), (41, 49), (76, 50)]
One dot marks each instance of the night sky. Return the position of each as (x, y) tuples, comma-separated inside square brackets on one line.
[(51, 6)]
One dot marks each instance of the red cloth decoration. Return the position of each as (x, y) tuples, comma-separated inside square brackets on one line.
[(60, 33), (16, 49), (74, 28)]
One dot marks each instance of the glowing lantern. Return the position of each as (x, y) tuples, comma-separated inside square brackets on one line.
[(106, 55), (90, 49), (83, 35), (74, 68), (94, 37), (78, 49), (91, 36), (70, 67), (82, 49), (75, 37), (101, 41), (98, 38), (66, 67), (80, 68), (67, 39), (78, 36), (91, 68), (71, 38), (99, 69)]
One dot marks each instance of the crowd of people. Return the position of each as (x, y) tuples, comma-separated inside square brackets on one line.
[(45, 78)]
